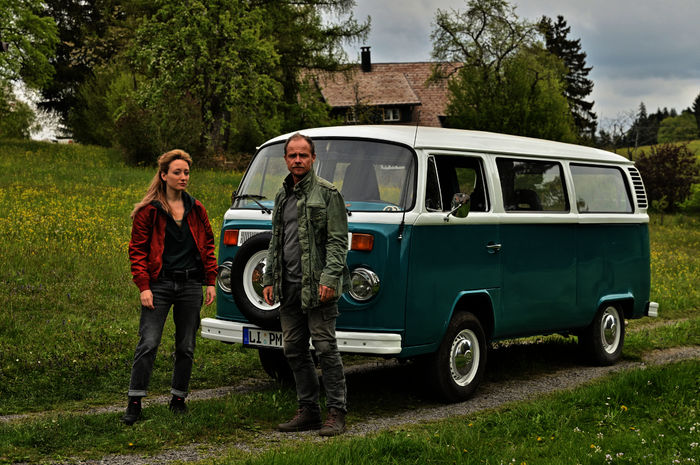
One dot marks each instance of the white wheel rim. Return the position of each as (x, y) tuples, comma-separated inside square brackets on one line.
[(465, 357), (610, 330), (252, 280)]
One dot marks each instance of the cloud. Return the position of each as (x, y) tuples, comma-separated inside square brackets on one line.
[(640, 50)]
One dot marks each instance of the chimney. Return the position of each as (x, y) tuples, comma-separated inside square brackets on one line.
[(366, 60)]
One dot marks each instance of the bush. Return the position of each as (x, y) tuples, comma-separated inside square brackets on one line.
[(17, 120), (692, 203), (669, 171)]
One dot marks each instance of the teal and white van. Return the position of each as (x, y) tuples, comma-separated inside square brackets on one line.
[(456, 239)]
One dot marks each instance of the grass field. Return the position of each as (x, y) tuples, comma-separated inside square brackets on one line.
[(69, 323)]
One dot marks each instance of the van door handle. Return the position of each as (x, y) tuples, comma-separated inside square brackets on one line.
[(492, 247)]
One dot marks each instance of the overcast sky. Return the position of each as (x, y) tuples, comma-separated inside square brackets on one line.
[(640, 50)]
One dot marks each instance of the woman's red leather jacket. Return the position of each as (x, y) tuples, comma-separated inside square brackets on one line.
[(148, 238)]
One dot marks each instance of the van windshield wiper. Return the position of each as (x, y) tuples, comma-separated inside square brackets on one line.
[(254, 198)]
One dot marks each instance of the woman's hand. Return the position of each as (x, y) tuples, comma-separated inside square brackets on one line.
[(210, 295), (147, 299)]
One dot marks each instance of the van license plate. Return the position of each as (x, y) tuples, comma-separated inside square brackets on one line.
[(262, 337)]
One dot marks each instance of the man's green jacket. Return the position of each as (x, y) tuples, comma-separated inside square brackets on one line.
[(323, 238)]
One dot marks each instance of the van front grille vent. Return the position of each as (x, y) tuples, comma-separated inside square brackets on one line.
[(639, 190)]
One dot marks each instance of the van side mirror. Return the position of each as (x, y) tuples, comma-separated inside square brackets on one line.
[(460, 206)]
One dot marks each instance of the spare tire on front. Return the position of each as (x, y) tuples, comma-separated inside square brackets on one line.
[(246, 283)]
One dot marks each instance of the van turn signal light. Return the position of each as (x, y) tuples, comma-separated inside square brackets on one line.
[(363, 242)]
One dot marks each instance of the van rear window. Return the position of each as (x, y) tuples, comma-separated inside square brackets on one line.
[(532, 185), (600, 189)]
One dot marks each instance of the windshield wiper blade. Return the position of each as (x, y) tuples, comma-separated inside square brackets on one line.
[(254, 198)]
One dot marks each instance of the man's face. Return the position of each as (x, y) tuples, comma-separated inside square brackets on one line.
[(299, 158)]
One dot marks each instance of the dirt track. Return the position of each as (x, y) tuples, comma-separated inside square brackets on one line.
[(491, 394)]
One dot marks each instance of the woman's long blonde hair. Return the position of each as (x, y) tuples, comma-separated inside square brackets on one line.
[(157, 189)]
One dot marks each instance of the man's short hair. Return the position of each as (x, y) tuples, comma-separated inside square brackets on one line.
[(298, 135)]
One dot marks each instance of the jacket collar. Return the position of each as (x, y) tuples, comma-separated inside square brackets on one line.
[(303, 186), (187, 201)]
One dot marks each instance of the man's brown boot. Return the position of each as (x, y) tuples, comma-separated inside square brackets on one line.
[(335, 423), (304, 420)]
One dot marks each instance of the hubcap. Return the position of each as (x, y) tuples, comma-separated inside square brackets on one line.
[(253, 280), (610, 329), (464, 357)]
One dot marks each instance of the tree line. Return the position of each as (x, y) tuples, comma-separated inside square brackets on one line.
[(220, 76)]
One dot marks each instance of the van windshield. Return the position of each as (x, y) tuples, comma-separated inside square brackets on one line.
[(371, 175)]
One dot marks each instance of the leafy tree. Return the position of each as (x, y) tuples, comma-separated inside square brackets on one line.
[(507, 83), (27, 42), (668, 171), (214, 52), (679, 128), (577, 85)]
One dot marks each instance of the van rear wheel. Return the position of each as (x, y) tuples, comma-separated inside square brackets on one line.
[(456, 369), (603, 338)]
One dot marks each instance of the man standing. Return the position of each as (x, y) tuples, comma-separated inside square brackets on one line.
[(307, 272)]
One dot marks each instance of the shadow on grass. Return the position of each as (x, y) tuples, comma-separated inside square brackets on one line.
[(380, 387)]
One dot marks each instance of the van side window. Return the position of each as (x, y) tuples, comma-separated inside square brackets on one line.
[(532, 185), (600, 189), (457, 174)]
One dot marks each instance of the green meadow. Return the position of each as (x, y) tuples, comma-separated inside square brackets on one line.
[(69, 321)]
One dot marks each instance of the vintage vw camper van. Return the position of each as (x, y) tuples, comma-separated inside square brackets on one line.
[(456, 239)]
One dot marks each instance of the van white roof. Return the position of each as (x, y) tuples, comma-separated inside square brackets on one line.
[(421, 137)]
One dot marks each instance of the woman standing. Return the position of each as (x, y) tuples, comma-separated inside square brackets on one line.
[(172, 256)]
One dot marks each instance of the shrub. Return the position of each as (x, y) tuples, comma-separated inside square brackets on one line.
[(669, 171), (692, 203), (17, 119)]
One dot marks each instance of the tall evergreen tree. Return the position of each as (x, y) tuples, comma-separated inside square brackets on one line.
[(577, 85), (696, 111)]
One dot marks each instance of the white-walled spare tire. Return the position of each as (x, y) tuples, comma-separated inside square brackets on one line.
[(246, 283)]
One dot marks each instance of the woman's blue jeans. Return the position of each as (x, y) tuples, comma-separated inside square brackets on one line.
[(185, 297)]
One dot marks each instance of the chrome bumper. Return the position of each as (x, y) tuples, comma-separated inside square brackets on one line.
[(348, 342)]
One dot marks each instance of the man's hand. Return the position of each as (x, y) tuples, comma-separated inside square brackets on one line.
[(325, 293), (268, 295)]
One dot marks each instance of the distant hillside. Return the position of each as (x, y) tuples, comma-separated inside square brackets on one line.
[(693, 146)]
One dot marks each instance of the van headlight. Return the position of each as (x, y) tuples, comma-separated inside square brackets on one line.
[(364, 284), (223, 277)]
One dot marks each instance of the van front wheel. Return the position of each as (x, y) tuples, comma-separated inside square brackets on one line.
[(275, 365), (456, 369), (603, 338)]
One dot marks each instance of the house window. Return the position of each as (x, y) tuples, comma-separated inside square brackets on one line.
[(392, 114), (350, 116)]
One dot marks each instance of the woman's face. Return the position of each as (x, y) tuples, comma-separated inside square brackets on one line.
[(178, 175)]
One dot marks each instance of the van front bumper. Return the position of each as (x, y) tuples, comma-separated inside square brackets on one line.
[(348, 342)]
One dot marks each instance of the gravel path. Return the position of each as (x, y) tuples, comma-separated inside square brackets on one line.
[(489, 395)]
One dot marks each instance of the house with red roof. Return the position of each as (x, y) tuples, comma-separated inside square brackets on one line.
[(386, 93)]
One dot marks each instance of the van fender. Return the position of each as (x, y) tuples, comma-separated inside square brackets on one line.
[(625, 300), (480, 303)]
